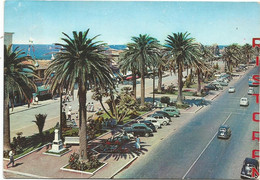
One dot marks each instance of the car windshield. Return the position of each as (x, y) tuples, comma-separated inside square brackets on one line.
[(243, 99), (222, 129)]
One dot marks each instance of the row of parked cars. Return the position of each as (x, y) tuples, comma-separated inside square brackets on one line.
[(222, 80), (146, 127)]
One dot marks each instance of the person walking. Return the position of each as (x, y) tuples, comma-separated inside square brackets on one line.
[(69, 115), (36, 99), (70, 108), (11, 156), (137, 143)]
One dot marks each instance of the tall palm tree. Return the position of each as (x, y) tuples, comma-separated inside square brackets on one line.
[(231, 55), (248, 52), (18, 73), (161, 66), (145, 54), (80, 61), (128, 62), (181, 49)]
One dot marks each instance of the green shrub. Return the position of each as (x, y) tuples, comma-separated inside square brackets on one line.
[(182, 106), (74, 132), (165, 99)]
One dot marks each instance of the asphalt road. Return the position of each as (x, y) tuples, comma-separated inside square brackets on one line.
[(195, 152)]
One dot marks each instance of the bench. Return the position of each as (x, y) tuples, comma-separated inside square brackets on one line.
[(71, 140)]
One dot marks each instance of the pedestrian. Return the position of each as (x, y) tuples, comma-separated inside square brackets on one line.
[(70, 108), (36, 99), (67, 97), (11, 156), (88, 107), (92, 107), (69, 115), (137, 143)]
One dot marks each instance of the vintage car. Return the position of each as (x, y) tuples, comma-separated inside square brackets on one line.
[(172, 111), (248, 165), (224, 132)]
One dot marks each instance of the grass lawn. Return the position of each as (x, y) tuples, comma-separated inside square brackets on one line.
[(28, 149), (88, 170)]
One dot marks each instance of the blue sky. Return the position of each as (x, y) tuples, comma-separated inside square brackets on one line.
[(208, 22)]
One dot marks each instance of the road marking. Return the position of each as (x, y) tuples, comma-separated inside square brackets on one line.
[(204, 149)]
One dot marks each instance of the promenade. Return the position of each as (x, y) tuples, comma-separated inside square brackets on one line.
[(39, 165)]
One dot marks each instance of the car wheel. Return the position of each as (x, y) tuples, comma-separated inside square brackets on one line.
[(164, 123), (146, 134)]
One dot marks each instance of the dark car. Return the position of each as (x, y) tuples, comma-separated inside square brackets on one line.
[(150, 125), (210, 87), (224, 132), (248, 165), (164, 114), (139, 129)]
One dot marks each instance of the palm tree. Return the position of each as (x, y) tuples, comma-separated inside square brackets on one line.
[(144, 52), (231, 55), (128, 62), (18, 70), (161, 66), (80, 61), (248, 52), (181, 49)]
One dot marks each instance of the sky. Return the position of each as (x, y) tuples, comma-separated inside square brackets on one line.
[(116, 22)]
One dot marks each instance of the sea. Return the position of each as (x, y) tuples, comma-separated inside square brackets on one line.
[(45, 51)]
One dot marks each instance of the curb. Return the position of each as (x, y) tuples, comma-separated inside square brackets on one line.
[(199, 109), (57, 155), (123, 167), (82, 172), (26, 174)]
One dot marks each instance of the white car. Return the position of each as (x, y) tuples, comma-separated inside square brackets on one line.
[(154, 121), (231, 90), (216, 83), (250, 91), (161, 119), (244, 101)]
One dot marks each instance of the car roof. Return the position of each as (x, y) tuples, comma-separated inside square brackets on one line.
[(244, 98), (171, 107), (224, 126), (144, 121), (139, 124), (157, 114), (251, 161)]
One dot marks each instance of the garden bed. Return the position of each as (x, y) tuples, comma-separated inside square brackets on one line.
[(88, 171)]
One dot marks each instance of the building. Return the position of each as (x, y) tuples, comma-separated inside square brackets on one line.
[(8, 38)]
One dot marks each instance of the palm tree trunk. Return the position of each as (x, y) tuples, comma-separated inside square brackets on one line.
[(142, 82), (61, 122), (83, 129), (159, 80), (134, 83), (153, 85), (7, 145), (180, 84), (199, 83), (100, 101)]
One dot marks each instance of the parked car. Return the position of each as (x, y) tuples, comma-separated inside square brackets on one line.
[(231, 90), (248, 165), (250, 91), (244, 101), (222, 83), (150, 125), (165, 114), (139, 129), (210, 87), (172, 111), (217, 84), (224, 132), (154, 121), (161, 119)]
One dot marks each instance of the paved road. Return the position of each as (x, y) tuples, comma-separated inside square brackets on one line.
[(195, 152)]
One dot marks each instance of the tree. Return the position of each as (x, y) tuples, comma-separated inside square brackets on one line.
[(80, 61), (231, 55), (40, 121), (128, 62), (180, 49), (144, 53), (248, 52), (18, 70)]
